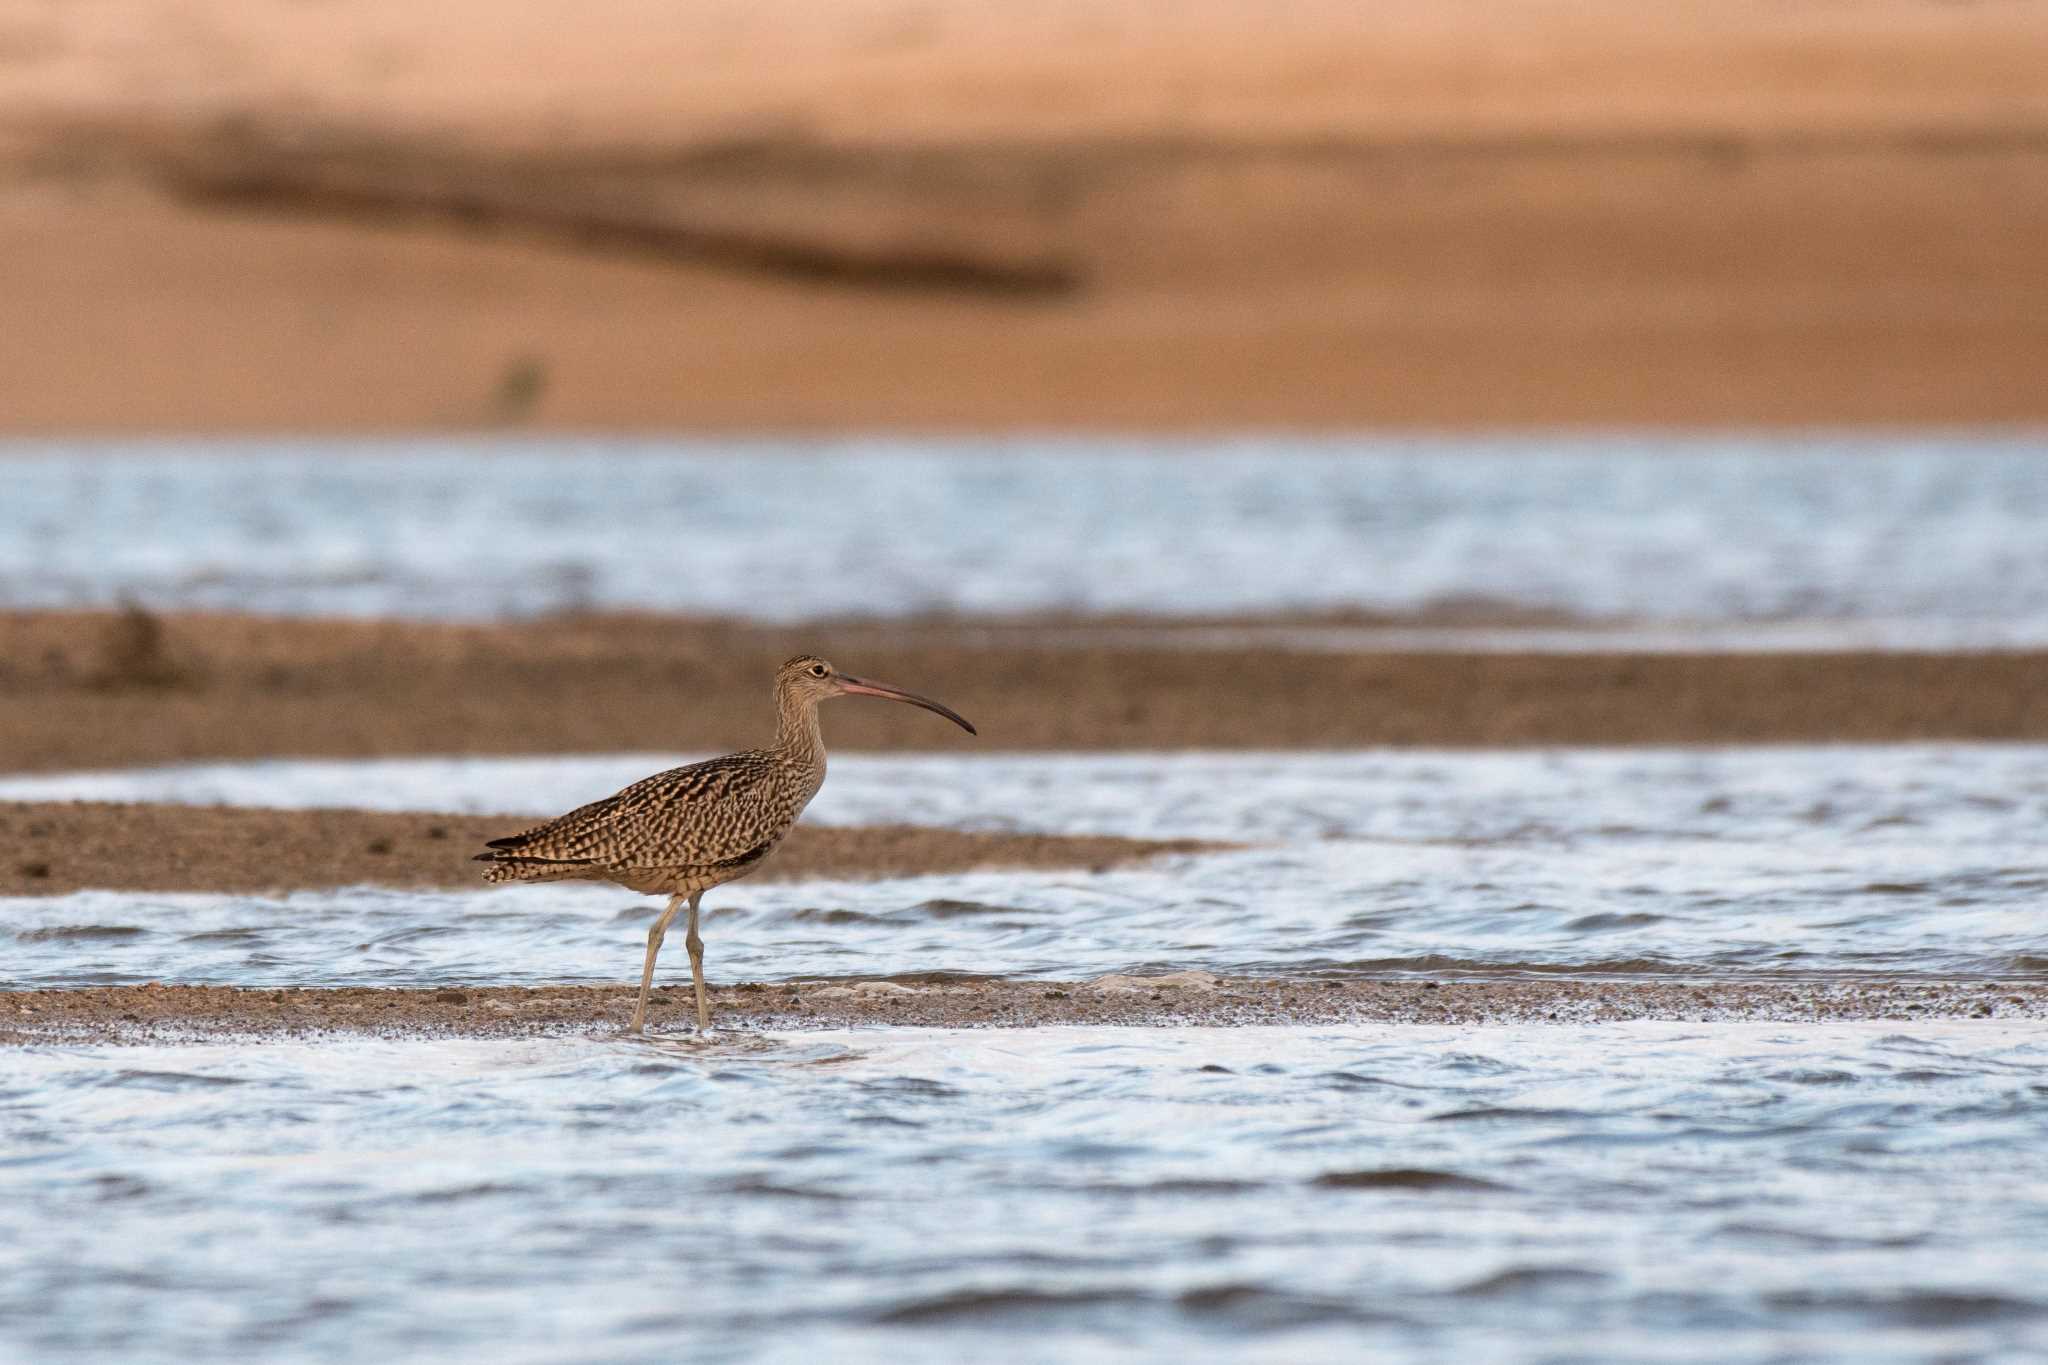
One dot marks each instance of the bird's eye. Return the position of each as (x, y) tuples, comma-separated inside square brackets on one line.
[(817, 670)]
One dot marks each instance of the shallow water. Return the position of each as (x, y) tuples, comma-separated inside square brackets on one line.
[(1923, 541), (1923, 859), (1627, 1192)]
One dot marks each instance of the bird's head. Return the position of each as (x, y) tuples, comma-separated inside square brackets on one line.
[(813, 679)]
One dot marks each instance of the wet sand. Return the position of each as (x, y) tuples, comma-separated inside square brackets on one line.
[(161, 1013), (58, 847), (80, 690), (958, 215)]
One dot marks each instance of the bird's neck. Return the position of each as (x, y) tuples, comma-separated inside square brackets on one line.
[(796, 728)]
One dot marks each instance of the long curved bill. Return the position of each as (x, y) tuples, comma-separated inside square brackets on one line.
[(875, 689)]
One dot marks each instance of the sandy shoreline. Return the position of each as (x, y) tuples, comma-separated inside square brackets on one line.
[(960, 216), (161, 1013), (80, 690), (59, 846)]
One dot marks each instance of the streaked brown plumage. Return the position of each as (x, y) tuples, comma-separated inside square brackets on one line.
[(681, 832)]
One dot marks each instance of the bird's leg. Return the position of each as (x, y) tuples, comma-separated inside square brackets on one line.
[(696, 947), (654, 938)]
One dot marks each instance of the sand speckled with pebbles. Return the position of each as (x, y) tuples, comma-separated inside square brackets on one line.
[(161, 1013)]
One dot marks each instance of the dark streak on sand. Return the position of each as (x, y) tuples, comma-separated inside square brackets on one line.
[(994, 220), (157, 1013), (969, 221)]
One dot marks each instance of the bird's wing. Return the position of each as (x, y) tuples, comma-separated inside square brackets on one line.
[(702, 814)]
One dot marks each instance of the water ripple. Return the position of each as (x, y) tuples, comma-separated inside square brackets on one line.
[(882, 1195)]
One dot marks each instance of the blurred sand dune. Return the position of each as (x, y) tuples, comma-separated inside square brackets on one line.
[(220, 214), (552, 72)]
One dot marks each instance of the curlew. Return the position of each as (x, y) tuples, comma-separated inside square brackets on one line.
[(681, 832)]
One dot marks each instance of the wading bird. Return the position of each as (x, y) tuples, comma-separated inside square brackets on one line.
[(681, 832)]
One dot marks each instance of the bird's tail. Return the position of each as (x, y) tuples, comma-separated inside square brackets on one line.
[(517, 867)]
